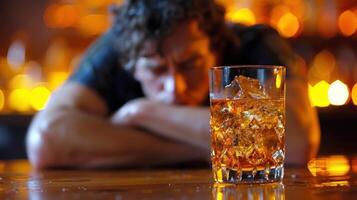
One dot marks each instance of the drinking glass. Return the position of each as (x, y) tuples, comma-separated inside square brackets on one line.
[(247, 123)]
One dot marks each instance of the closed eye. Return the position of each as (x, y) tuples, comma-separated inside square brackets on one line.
[(192, 63), (158, 69)]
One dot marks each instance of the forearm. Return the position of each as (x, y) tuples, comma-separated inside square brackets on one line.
[(74, 138), (187, 124)]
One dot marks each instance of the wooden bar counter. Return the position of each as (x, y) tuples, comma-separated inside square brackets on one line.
[(19, 181)]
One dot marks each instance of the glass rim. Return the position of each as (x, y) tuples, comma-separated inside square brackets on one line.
[(248, 66)]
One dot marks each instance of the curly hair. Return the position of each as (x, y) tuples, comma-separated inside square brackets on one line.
[(139, 20)]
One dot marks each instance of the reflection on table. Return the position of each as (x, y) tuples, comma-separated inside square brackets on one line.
[(266, 191), (19, 181)]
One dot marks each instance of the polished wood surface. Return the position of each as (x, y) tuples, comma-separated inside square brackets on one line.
[(19, 181)]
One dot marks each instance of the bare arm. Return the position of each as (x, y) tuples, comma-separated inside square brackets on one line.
[(191, 125), (187, 124), (73, 131)]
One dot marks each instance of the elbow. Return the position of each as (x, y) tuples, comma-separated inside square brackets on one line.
[(40, 151)]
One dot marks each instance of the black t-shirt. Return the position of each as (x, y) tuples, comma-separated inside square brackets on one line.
[(100, 69)]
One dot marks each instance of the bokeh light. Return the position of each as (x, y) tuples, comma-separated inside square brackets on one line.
[(276, 14), (93, 24), (347, 23), (243, 15), (322, 66), (354, 94), (16, 54), (338, 93), (55, 79), (288, 25), (33, 70), (2, 100), (57, 55), (278, 81), (19, 100), (39, 97), (61, 16), (336, 165), (354, 164), (318, 94), (310, 90), (49, 16), (90, 18), (99, 3), (20, 81)]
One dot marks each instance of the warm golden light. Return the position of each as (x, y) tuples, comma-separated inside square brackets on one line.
[(33, 70), (276, 13), (48, 16), (329, 166), (99, 3), (337, 166), (318, 94), (219, 195), (311, 94), (354, 164), (55, 79), (93, 24), (338, 93), (243, 15), (66, 16), (20, 81), (278, 81), (18, 166), (288, 25), (19, 100), (354, 94), (347, 23), (248, 191), (325, 60), (2, 100), (39, 97), (333, 184), (2, 167), (57, 56), (322, 67), (61, 16)]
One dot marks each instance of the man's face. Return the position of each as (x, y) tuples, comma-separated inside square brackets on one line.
[(180, 74)]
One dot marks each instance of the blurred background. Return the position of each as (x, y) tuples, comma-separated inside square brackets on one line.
[(42, 41)]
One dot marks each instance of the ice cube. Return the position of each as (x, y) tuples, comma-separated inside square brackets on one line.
[(271, 140), (245, 87), (233, 90), (280, 129), (278, 156), (257, 157)]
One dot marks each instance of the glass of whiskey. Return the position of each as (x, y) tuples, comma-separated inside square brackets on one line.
[(247, 123)]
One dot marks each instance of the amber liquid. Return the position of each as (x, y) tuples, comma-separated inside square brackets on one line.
[(247, 139)]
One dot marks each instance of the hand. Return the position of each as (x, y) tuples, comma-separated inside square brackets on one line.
[(133, 112)]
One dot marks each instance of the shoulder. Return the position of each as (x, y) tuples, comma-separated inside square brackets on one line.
[(101, 72), (260, 32), (259, 44), (254, 30), (99, 60), (101, 50)]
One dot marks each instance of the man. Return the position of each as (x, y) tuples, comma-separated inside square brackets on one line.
[(139, 97)]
